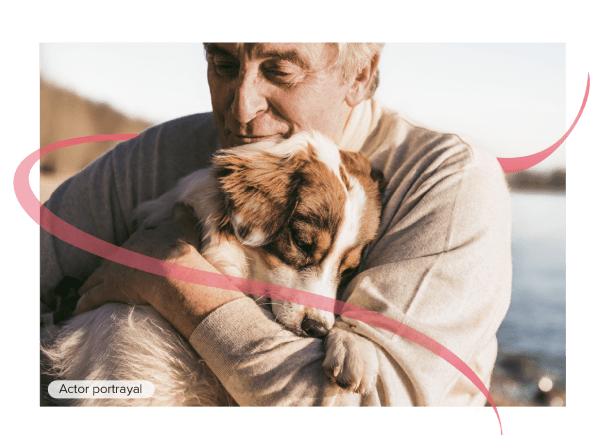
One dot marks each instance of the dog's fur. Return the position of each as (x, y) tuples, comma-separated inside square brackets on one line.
[(296, 213)]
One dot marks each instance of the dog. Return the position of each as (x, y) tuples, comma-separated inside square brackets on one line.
[(294, 212)]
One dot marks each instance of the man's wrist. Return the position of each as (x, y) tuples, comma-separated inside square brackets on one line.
[(186, 304)]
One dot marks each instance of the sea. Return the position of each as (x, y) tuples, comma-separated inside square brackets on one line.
[(535, 324)]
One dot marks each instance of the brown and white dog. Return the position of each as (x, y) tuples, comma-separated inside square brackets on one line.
[(296, 213)]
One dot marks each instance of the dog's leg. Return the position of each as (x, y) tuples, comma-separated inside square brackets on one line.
[(351, 360)]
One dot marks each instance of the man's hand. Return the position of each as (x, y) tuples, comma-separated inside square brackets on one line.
[(176, 241), (181, 303)]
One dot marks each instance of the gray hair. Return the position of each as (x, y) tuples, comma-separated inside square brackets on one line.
[(351, 55)]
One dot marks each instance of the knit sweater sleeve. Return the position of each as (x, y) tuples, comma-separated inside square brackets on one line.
[(91, 202), (100, 199), (440, 264)]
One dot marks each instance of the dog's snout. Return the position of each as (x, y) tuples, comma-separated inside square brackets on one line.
[(314, 328)]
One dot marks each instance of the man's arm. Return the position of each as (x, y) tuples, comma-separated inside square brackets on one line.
[(90, 202), (176, 242), (100, 199), (441, 266)]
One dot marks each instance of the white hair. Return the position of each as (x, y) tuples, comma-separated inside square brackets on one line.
[(352, 55)]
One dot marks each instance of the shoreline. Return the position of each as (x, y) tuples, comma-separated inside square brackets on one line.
[(528, 380)]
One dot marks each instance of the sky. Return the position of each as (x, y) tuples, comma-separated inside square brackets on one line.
[(508, 97)]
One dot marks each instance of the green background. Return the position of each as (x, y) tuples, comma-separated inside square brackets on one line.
[(576, 23)]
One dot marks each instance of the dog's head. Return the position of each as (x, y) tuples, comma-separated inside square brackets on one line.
[(303, 212)]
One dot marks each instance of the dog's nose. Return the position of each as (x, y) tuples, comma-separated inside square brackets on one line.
[(314, 328)]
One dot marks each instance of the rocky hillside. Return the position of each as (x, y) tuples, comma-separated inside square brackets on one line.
[(64, 115)]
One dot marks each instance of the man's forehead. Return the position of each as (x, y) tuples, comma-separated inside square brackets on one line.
[(306, 54)]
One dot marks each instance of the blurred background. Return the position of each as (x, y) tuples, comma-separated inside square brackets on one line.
[(510, 98)]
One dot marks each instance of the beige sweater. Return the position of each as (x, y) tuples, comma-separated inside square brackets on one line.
[(441, 262)]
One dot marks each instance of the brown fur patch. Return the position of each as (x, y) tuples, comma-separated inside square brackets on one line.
[(372, 181), (351, 259), (323, 244), (307, 238), (269, 259), (293, 208), (259, 192)]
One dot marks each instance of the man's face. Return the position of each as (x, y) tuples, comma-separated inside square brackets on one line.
[(265, 90)]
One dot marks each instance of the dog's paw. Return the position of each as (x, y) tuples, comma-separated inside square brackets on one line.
[(350, 361)]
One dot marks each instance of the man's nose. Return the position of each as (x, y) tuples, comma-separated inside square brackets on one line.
[(248, 98)]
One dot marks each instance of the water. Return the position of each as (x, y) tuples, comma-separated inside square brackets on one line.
[(535, 324)]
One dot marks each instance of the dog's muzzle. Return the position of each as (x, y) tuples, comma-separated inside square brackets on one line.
[(314, 328)]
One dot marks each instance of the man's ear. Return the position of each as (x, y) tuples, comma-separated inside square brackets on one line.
[(258, 194), (362, 81)]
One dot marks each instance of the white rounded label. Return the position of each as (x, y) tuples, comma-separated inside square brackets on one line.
[(101, 389)]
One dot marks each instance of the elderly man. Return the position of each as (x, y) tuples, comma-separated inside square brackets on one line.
[(441, 262)]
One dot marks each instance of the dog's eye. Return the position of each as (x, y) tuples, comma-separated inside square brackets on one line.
[(348, 272), (307, 248), (347, 275)]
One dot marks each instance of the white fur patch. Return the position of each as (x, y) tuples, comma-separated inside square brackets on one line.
[(351, 226)]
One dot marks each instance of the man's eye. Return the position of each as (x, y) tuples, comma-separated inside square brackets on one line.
[(224, 67), (279, 75)]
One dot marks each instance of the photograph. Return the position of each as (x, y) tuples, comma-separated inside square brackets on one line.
[(348, 180)]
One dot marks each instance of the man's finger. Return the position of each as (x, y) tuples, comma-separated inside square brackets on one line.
[(87, 302), (98, 296), (94, 280)]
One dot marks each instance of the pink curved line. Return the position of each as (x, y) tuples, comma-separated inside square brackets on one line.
[(21, 180), (512, 165), (70, 234)]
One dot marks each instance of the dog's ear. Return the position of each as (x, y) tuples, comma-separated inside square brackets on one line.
[(259, 193), (378, 178), (359, 166)]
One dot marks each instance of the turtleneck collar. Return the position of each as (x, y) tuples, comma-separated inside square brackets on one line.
[(362, 119)]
